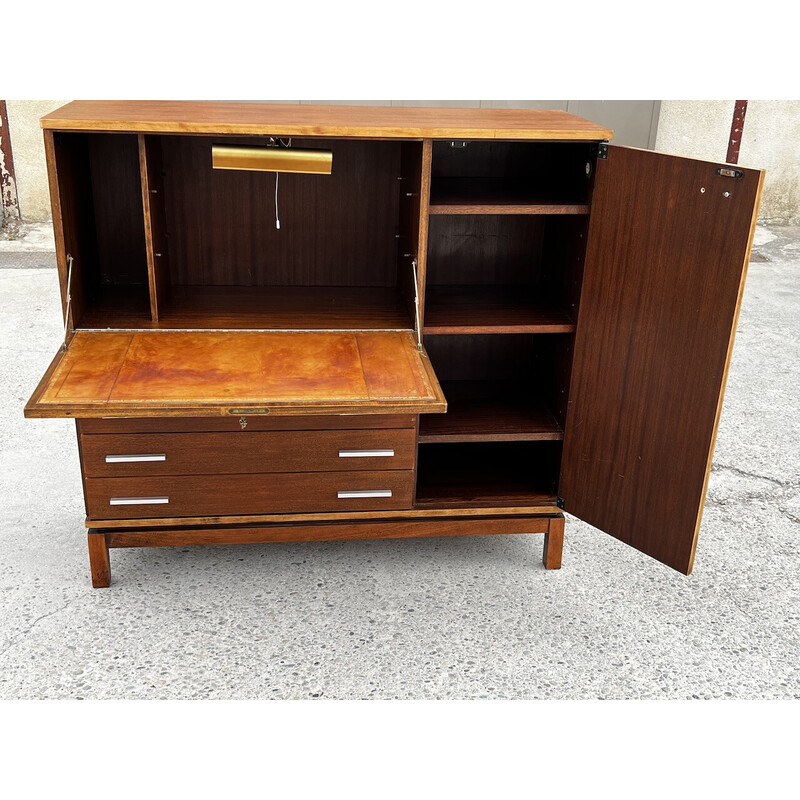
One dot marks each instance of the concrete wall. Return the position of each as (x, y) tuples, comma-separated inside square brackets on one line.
[(770, 141), (29, 162)]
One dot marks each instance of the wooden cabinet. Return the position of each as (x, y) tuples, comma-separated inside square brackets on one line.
[(385, 322)]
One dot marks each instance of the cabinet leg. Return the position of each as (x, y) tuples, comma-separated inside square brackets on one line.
[(554, 543), (98, 560)]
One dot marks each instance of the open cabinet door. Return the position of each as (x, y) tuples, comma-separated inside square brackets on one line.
[(667, 252)]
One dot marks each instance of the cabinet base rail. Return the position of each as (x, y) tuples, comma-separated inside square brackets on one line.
[(101, 540)]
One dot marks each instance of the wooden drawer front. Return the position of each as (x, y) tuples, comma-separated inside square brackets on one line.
[(233, 424), (221, 495), (147, 454)]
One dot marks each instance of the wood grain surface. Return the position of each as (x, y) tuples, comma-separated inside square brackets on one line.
[(157, 242), (99, 563), (261, 451), (487, 474), (498, 196), (244, 424), (166, 116), (492, 309), (488, 411), (535, 509), (668, 245), (202, 495), (336, 230), (322, 532)]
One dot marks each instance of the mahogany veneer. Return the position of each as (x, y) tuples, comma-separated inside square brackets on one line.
[(266, 451), (238, 381)]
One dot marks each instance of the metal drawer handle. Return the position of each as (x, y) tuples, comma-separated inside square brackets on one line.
[(389, 453), (138, 501), (132, 459), (366, 493)]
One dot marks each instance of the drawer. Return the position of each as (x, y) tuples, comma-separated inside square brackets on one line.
[(145, 454), (247, 424), (233, 495)]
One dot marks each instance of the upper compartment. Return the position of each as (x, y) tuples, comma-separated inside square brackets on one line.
[(160, 238), (479, 177), (100, 208), (333, 263)]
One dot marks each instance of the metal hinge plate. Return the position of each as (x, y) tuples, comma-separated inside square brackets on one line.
[(602, 150), (730, 172), (560, 502)]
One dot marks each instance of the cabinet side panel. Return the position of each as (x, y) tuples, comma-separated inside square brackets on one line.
[(668, 245)]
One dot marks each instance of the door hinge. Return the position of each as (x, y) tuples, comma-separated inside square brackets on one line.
[(602, 150), (730, 172), (560, 502)]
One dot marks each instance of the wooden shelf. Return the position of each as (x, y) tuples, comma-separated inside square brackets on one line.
[(471, 475), (490, 309), (479, 491), (265, 308), (284, 307), (497, 196), (489, 411)]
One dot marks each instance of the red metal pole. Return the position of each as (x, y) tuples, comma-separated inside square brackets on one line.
[(737, 126), (9, 203)]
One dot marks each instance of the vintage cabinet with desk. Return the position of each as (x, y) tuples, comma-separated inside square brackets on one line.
[(292, 323)]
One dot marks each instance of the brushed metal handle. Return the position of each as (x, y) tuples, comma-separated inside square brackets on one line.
[(364, 493), (388, 453), (138, 501), (134, 458)]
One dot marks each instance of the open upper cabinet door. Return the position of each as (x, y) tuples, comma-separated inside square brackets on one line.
[(208, 373), (668, 245)]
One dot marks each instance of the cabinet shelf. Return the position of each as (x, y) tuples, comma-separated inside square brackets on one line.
[(267, 308), (488, 411), (490, 309), (471, 475), (497, 196)]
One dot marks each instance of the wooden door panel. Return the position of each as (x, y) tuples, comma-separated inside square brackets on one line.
[(669, 240)]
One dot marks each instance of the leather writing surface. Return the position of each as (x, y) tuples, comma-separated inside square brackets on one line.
[(163, 371)]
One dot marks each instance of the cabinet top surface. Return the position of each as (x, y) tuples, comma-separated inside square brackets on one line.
[(167, 116)]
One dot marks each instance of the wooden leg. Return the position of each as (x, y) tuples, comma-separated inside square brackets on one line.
[(554, 543), (98, 560)]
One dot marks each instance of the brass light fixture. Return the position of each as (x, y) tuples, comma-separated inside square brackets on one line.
[(271, 159)]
